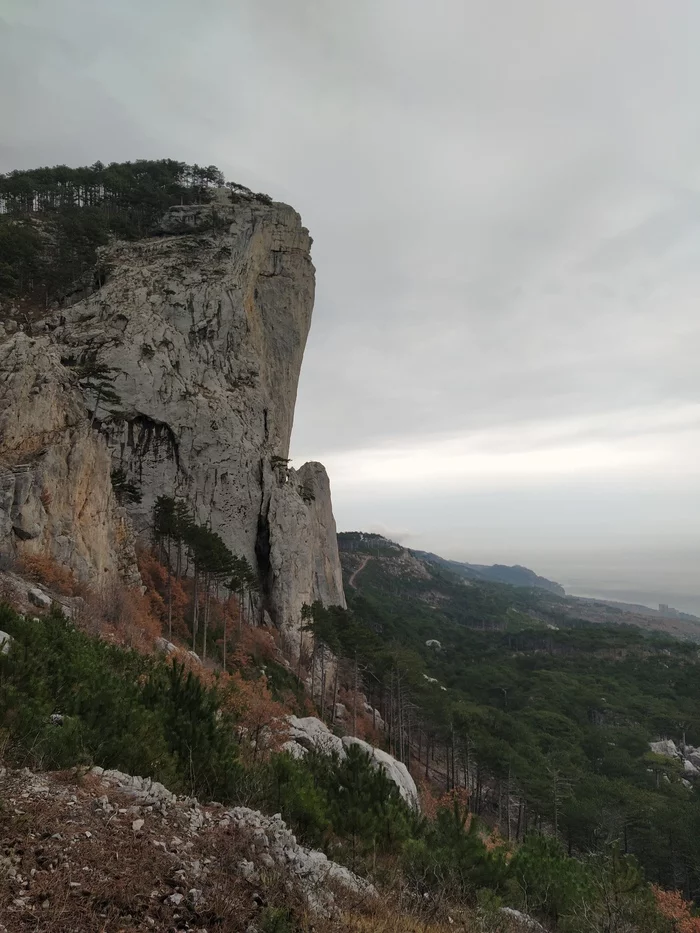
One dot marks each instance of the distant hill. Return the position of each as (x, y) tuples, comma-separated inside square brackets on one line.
[(480, 594), (497, 573)]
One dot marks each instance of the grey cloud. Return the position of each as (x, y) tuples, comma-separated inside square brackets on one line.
[(503, 197)]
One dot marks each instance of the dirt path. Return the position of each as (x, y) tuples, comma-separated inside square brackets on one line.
[(351, 581)]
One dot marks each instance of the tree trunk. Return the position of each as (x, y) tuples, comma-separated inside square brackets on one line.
[(207, 602), (354, 700), (313, 673), (195, 610), (323, 679), (335, 690), (170, 596)]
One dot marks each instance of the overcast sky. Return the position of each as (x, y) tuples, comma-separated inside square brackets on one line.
[(505, 201)]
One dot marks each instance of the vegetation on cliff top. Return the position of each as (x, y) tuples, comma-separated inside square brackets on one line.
[(53, 219)]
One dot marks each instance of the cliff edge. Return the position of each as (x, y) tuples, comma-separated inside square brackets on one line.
[(202, 327)]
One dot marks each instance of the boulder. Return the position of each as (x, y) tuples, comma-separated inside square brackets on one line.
[(689, 767), (395, 770), (314, 735), (295, 749), (273, 843), (38, 598), (167, 647), (433, 643), (665, 747), (5, 642), (340, 711)]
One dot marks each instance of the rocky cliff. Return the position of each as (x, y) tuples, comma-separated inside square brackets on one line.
[(56, 495), (204, 326)]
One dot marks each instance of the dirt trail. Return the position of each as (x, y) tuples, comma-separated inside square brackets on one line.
[(351, 581)]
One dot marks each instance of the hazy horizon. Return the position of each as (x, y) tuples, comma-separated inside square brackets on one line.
[(505, 206)]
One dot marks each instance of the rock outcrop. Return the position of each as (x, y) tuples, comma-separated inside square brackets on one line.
[(304, 561), (204, 328), (182, 859), (56, 494), (311, 734), (688, 756)]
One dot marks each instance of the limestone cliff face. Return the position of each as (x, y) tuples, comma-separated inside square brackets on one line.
[(205, 327), (55, 490), (304, 560)]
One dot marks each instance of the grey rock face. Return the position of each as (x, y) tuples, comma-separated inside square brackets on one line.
[(204, 328), (304, 562), (56, 495), (665, 747)]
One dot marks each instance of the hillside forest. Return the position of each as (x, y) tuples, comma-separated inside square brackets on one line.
[(528, 735)]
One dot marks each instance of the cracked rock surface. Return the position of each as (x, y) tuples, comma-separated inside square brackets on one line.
[(204, 328)]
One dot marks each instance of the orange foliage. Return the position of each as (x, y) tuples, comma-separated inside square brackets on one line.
[(256, 645), (261, 719), (430, 803), (42, 568), (123, 615), (155, 579), (494, 840), (673, 906)]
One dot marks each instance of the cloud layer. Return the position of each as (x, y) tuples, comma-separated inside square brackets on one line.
[(505, 201)]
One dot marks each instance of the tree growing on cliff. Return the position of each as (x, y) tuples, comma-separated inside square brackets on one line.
[(95, 379), (126, 492)]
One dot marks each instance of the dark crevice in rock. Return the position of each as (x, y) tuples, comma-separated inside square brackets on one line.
[(262, 554), (146, 437)]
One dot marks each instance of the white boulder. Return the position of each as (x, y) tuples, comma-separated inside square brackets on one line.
[(666, 747), (167, 647), (395, 770), (314, 735), (689, 767), (5, 642), (295, 749), (38, 598)]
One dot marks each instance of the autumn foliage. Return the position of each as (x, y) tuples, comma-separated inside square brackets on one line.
[(155, 578), (673, 907), (44, 569)]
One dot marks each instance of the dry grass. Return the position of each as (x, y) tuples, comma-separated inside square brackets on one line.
[(67, 863), (41, 568)]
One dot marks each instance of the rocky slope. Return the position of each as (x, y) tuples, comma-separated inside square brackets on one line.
[(204, 328), (122, 852)]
